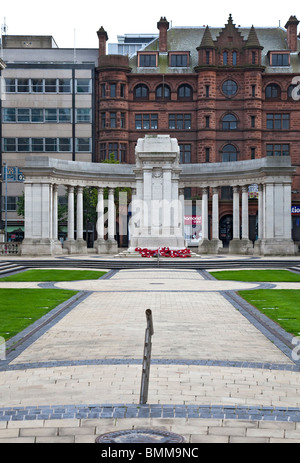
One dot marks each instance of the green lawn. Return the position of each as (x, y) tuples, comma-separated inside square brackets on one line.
[(257, 275), (41, 275), (281, 305), (20, 308)]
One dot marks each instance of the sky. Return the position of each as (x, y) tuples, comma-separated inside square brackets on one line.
[(76, 22)]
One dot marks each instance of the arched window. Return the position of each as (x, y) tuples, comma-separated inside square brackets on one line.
[(163, 92), (225, 58), (234, 58), (229, 153), (273, 91), (185, 92), (141, 92), (229, 122)]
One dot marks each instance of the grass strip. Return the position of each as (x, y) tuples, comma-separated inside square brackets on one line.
[(257, 275), (43, 275), (280, 305), (19, 308)]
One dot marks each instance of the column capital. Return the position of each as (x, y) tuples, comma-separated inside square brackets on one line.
[(70, 188), (236, 189), (100, 189), (205, 190), (245, 188), (215, 190), (181, 191), (111, 190), (79, 189)]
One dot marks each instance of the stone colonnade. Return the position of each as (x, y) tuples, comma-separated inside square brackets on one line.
[(274, 220), (158, 176), (41, 220)]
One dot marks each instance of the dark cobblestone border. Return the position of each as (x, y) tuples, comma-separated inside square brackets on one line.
[(191, 362), (120, 411)]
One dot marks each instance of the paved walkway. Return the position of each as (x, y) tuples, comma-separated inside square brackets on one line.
[(219, 372)]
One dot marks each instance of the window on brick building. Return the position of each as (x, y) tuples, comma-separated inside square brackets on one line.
[(278, 150), (113, 120), (253, 121), (207, 154), (225, 58), (185, 92), (207, 88), (279, 59), (180, 121), (273, 91), (163, 92), (180, 60), (141, 92), (229, 88), (229, 122), (234, 58), (278, 121), (185, 153), (147, 60), (253, 153), (146, 121), (229, 153), (113, 90), (123, 120)]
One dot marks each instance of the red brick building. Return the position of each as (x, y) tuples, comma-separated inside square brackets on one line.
[(227, 94)]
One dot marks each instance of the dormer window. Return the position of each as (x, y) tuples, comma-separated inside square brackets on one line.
[(147, 60), (179, 59), (279, 59)]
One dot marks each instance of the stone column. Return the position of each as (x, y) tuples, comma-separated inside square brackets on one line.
[(39, 221), (245, 213), (215, 213), (111, 244), (277, 238), (236, 212), (181, 209), (79, 224), (214, 245), (55, 212), (205, 213), (100, 243), (260, 212), (81, 245), (70, 213), (111, 214)]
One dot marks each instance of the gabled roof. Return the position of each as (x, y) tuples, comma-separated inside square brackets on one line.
[(190, 38)]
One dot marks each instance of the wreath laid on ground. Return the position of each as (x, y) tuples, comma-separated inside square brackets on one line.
[(163, 252)]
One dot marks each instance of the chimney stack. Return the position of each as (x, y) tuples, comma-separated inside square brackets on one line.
[(163, 26), (103, 37), (291, 27)]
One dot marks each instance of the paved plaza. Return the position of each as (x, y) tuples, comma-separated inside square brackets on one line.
[(219, 372)]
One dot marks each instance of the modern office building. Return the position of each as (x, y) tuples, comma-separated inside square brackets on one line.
[(48, 108)]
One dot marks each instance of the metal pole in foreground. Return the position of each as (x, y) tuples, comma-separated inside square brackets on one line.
[(147, 358)]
